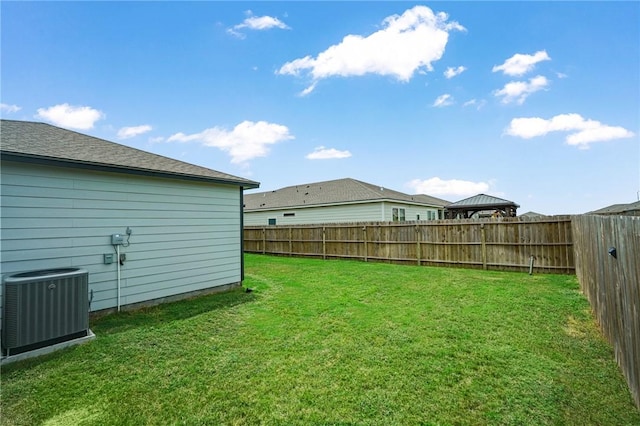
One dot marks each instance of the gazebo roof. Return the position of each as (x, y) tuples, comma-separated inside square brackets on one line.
[(482, 204), (481, 201)]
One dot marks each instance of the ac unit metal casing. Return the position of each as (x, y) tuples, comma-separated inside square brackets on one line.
[(44, 307)]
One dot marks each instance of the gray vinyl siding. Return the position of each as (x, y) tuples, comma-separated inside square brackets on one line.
[(355, 212), (325, 214), (186, 235), (411, 211)]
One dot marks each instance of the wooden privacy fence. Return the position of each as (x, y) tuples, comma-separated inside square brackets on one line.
[(540, 244), (611, 282)]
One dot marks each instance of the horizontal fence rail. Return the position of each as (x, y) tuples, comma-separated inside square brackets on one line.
[(611, 281), (511, 244)]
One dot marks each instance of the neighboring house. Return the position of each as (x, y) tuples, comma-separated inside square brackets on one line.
[(481, 205), (338, 201), (65, 193), (531, 215), (631, 209)]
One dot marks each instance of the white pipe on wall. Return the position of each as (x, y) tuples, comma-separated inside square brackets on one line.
[(118, 262)]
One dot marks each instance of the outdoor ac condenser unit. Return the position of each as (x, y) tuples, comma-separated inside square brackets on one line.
[(41, 308)]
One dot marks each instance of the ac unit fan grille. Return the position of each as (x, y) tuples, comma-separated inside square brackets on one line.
[(40, 309)]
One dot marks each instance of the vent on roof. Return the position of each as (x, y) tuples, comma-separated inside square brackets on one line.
[(41, 308)]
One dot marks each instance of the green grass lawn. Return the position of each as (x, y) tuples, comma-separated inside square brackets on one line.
[(338, 342)]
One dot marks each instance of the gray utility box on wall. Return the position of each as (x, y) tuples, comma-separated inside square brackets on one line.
[(45, 307)]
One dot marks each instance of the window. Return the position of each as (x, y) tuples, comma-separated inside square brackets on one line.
[(289, 214), (417, 217), (431, 215), (397, 215), (272, 221)]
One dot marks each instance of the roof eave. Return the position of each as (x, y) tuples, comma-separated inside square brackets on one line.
[(51, 161)]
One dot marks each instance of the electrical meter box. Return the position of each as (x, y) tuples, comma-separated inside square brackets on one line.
[(117, 239)]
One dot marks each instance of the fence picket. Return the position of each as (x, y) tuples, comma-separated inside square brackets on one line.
[(496, 244), (612, 284)]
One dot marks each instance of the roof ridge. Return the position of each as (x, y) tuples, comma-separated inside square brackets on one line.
[(368, 186), (298, 185)]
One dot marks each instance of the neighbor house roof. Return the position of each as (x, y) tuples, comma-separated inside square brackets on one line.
[(428, 199), (481, 201), (617, 208), (43, 143), (531, 214), (330, 192)]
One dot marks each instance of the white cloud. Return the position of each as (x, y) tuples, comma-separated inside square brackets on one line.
[(443, 100), (518, 91), (406, 44), (262, 23), (582, 131), (452, 72), (246, 141), (74, 117), (308, 90), (520, 64), (129, 132), (474, 102), (258, 23), (9, 108), (322, 153), (454, 187)]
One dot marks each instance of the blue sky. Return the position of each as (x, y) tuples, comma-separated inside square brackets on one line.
[(535, 102)]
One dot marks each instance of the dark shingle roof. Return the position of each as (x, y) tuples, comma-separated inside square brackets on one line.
[(531, 214), (41, 142), (428, 199), (617, 208), (331, 192), (482, 200)]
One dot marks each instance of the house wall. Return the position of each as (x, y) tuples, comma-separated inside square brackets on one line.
[(411, 211), (186, 236), (356, 212)]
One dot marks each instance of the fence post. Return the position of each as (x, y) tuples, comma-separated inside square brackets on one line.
[(364, 237), (264, 240), (418, 238), (484, 246), (324, 244), (290, 243)]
